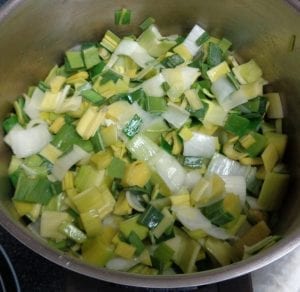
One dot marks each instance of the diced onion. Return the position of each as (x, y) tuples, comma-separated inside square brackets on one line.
[(193, 219), (63, 164), (200, 145), (26, 142)]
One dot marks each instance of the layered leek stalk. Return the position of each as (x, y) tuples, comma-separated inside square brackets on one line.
[(150, 154)]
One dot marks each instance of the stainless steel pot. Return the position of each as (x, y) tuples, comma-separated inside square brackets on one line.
[(34, 34)]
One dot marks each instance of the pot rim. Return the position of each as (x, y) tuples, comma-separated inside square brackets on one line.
[(283, 247)]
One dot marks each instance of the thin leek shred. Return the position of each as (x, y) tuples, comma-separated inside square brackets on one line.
[(150, 154)]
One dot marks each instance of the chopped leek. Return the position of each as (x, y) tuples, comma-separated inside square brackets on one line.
[(273, 190), (202, 39), (133, 126), (50, 222), (136, 241), (248, 72), (151, 217), (90, 57), (110, 41), (116, 168), (191, 41), (154, 43), (26, 142), (72, 232), (275, 110), (200, 145), (237, 125), (147, 22), (93, 96), (172, 61), (175, 115), (223, 211), (9, 123), (64, 163), (74, 59), (214, 55), (33, 190), (122, 16), (155, 104), (193, 219)]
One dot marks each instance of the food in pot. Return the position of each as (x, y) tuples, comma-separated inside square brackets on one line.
[(150, 154)]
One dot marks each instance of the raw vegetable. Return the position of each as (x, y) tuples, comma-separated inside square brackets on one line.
[(150, 154)]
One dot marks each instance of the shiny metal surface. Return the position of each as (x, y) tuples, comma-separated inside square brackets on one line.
[(34, 34)]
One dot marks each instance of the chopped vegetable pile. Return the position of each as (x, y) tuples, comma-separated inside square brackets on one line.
[(150, 154)]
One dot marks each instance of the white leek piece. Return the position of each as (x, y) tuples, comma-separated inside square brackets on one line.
[(275, 110), (215, 114), (32, 105), (134, 202), (132, 49), (180, 79), (218, 71), (222, 165), (121, 264), (52, 102), (153, 86), (200, 145), (143, 148), (121, 112), (191, 179), (223, 89), (70, 104), (26, 142), (249, 91), (235, 184), (190, 40), (155, 44), (176, 115), (247, 72), (193, 219), (145, 116), (90, 122), (253, 203), (170, 170), (63, 164)]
